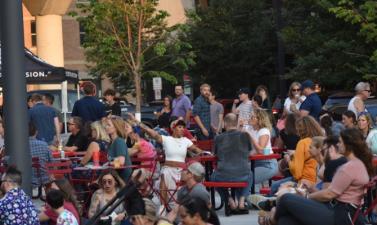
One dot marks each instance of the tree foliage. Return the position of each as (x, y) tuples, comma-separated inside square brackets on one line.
[(234, 42), (364, 15), (128, 40), (323, 47)]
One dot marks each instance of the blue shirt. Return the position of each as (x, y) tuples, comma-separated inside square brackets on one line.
[(42, 117), (202, 108), (181, 106), (313, 105), (89, 109), (119, 148), (16, 208), (40, 149)]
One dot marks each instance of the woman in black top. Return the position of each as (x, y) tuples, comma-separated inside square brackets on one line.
[(163, 115)]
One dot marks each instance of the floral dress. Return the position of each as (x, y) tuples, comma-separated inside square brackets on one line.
[(66, 218)]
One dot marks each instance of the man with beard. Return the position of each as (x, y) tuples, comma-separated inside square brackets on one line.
[(202, 113)]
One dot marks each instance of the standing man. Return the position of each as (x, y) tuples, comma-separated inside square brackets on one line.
[(16, 207), (111, 105), (45, 120), (48, 99), (356, 104), (217, 114), (312, 105), (89, 109), (245, 108), (181, 106), (202, 113)]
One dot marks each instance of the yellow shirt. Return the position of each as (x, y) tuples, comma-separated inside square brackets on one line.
[(302, 165)]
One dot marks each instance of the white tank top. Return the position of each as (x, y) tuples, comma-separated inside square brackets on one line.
[(351, 106)]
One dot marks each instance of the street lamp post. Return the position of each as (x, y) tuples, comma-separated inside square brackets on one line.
[(14, 89), (277, 5)]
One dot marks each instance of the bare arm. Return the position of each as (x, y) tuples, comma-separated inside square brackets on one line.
[(93, 146), (303, 113), (195, 149), (71, 148), (57, 128), (324, 195), (152, 133), (133, 151), (221, 121), (359, 105), (261, 143)]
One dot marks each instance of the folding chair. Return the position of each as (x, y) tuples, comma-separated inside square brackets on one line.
[(35, 164), (370, 201)]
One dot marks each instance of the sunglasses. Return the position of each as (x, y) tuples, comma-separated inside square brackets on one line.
[(70, 123), (104, 181), (294, 90), (368, 91)]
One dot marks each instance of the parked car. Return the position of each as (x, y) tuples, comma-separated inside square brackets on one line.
[(337, 104)]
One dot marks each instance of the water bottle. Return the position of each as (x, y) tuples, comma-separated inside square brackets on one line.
[(266, 151)]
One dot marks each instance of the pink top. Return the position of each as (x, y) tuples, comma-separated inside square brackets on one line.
[(146, 150), (349, 182)]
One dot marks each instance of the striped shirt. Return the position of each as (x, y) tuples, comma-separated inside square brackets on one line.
[(40, 149), (244, 111)]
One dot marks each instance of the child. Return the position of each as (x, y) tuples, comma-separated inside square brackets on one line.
[(55, 199)]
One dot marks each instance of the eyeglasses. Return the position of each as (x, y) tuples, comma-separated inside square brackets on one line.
[(295, 90), (10, 181), (369, 91), (71, 123), (109, 182)]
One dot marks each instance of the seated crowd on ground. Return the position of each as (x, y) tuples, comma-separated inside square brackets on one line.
[(322, 165)]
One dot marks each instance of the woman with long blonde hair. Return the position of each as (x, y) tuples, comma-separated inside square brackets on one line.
[(260, 134), (100, 142)]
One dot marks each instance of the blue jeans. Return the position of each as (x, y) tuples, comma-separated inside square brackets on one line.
[(265, 170), (240, 192), (276, 185)]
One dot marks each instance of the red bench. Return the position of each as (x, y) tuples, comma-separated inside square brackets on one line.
[(226, 185)]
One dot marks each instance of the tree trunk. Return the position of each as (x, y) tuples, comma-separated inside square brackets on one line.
[(137, 80)]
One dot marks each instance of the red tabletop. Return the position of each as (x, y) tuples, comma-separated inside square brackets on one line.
[(264, 157), (56, 154)]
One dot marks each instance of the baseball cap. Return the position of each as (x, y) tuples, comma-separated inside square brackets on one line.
[(307, 84), (244, 91), (197, 169)]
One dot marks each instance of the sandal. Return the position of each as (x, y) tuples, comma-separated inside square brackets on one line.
[(265, 218)]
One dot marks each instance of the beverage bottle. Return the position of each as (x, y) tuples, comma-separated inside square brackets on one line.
[(60, 148)]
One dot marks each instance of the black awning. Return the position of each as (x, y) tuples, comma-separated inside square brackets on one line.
[(40, 72)]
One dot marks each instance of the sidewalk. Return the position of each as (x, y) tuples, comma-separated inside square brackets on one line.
[(250, 219)]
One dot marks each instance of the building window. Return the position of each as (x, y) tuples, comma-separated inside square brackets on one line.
[(82, 33), (33, 33)]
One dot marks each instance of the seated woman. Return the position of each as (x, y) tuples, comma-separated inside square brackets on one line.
[(110, 183), (301, 165), (288, 137), (100, 143), (70, 203), (349, 119), (150, 215), (141, 148), (338, 203), (175, 148), (118, 151), (260, 135), (365, 124)]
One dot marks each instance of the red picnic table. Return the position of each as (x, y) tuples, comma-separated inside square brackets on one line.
[(56, 154)]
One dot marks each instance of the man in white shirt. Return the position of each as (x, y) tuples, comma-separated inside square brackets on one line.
[(356, 104), (245, 108)]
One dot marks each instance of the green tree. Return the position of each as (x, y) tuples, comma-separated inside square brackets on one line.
[(235, 44), (130, 40), (364, 15), (323, 47)]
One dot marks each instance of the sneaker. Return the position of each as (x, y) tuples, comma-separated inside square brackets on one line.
[(254, 199), (267, 204)]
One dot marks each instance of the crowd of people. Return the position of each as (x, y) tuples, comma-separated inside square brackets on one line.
[(325, 166)]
